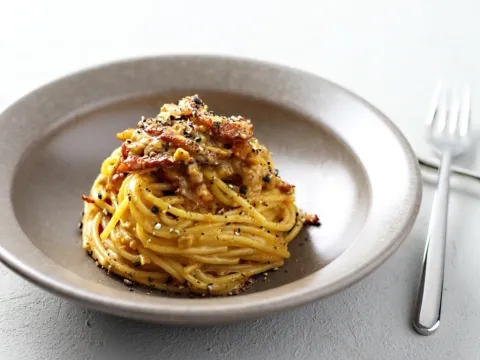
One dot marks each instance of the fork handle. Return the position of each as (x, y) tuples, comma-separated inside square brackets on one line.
[(429, 299)]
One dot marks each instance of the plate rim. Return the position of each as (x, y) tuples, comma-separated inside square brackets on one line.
[(165, 315)]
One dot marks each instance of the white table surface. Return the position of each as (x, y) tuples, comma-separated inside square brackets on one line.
[(389, 52)]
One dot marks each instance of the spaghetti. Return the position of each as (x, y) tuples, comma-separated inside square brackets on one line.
[(190, 202)]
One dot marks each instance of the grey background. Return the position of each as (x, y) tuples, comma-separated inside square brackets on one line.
[(391, 53)]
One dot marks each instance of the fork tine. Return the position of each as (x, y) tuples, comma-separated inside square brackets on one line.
[(432, 114), (440, 119), (464, 118), (453, 112)]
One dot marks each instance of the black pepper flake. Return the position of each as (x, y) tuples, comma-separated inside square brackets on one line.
[(80, 225), (197, 101), (243, 190), (216, 124), (172, 117), (228, 223), (266, 178), (138, 132), (99, 195), (198, 139), (129, 141), (203, 234), (275, 172)]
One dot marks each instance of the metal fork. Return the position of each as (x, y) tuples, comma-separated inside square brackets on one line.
[(448, 131)]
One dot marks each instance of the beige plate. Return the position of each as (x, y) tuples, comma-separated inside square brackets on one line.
[(350, 164)]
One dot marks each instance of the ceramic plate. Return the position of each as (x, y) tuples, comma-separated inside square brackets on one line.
[(350, 165)]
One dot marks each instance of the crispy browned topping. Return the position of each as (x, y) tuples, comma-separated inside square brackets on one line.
[(312, 219), (185, 139), (87, 199)]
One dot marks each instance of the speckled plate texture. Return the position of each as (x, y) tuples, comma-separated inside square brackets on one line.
[(349, 163)]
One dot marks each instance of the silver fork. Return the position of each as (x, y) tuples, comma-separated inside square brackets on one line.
[(448, 131)]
